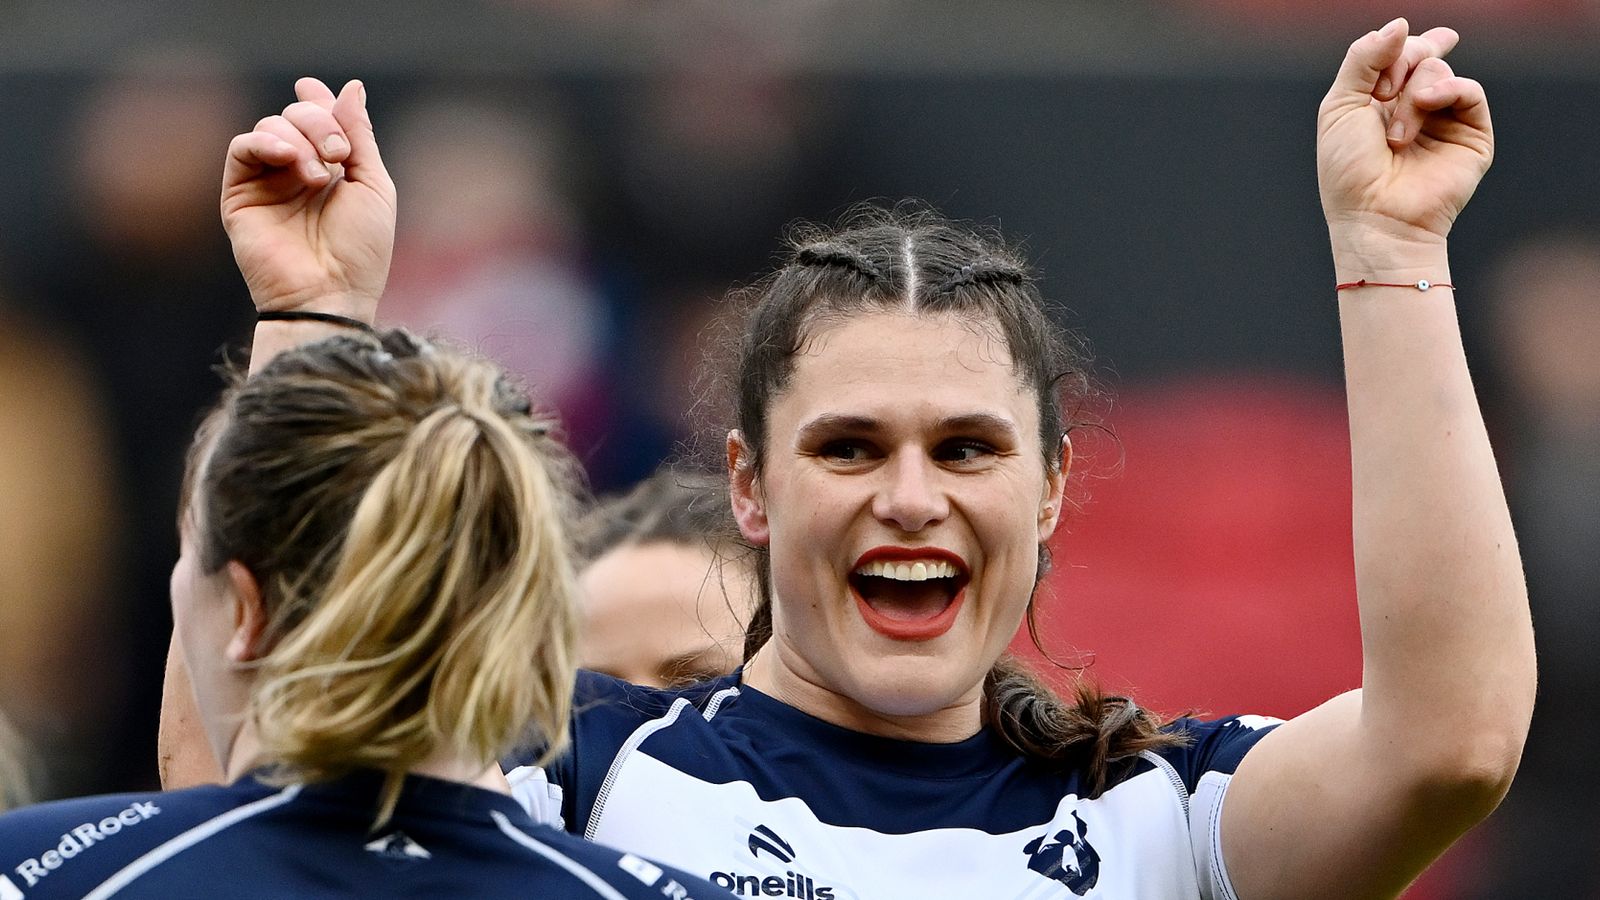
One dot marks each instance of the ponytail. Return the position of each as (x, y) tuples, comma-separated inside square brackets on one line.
[(404, 512), (1094, 734)]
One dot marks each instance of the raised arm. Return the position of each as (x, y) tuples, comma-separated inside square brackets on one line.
[(310, 211), (1356, 797)]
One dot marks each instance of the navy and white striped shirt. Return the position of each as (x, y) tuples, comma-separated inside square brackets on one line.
[(765, 800), (252, 839)]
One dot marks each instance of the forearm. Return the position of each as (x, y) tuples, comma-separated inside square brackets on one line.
[(1445, 627)]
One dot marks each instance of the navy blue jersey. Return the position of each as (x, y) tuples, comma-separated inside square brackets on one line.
[(252, 839), (764, 800)]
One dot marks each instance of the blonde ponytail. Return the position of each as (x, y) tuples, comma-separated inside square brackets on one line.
[(404, 512)]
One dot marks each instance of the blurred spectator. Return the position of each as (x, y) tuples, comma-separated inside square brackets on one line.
[(491, 249), (55, 513), (141, 277), (665, 595), (1546, 296), (722, 148), (13, 769)]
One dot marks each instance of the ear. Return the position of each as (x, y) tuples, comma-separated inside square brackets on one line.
[(1055, 492), (249, 614), (749, 508)]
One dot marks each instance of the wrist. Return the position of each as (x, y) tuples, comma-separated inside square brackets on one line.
[(1385, 251), (349, 305), (1397, 263)]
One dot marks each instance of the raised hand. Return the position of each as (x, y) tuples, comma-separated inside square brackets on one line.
[(1402, 142), (309, 207)]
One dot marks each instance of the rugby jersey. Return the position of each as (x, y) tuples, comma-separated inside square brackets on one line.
[(252, 839), (767, 801)]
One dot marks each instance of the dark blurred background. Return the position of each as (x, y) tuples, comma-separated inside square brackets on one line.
[(582, 180)]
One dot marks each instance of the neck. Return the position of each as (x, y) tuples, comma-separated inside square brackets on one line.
[(246, 755), (786, 678)]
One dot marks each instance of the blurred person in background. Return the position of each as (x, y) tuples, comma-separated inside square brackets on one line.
[(665, 590), (1546, 337), (492, 251), (57, 515), (137, 276)]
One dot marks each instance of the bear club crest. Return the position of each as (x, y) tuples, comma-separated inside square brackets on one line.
[(1068, 858)]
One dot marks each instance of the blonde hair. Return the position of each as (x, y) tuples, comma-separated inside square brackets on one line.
[(13, 768), (402, 508)]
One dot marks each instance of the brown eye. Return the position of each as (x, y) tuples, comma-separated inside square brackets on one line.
[(846, 451), (963, 452)]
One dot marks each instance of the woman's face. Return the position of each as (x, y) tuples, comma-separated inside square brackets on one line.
[(903, 497), (663, 613)]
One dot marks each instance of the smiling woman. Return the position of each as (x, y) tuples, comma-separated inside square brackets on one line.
[(900, 456)]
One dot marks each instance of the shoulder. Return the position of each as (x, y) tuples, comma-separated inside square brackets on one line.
[(70, 847), (607, 711), (1216, 745), (624, 873), (609, 717)]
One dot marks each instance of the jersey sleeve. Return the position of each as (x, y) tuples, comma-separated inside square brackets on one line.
[(605, 714), (1205, 765)]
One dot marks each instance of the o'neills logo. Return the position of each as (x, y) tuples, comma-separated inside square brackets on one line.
[(789, 884), (81, 839)]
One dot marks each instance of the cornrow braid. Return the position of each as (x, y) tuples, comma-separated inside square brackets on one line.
[(835, 255), (983, 271)]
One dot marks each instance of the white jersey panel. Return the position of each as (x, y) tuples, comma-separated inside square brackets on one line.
[(726, 833)]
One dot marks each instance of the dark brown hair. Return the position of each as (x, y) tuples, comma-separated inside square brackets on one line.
[(912, 259), (674, 506)]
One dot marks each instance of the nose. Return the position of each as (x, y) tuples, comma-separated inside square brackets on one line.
[(910, 496)]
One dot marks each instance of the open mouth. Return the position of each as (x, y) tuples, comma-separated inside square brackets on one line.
[(909, 594)]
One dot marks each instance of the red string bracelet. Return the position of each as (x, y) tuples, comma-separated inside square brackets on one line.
[(1421, 285)]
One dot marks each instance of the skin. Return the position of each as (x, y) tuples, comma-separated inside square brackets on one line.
[(218, 622), (1379, 781), (906, 431), (661, 614)]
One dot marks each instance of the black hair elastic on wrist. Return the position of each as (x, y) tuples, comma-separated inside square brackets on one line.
[(294, 315)]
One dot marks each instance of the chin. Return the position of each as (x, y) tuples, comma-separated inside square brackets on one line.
[(911, 686)]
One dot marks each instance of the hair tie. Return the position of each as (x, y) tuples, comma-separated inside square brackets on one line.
[(302, 315)]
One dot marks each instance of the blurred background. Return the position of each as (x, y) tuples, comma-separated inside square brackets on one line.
[(582, 180)]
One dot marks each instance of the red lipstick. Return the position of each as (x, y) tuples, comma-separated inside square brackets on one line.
[(917, 628)]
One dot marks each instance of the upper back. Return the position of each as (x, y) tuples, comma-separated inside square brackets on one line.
[(252, 839)]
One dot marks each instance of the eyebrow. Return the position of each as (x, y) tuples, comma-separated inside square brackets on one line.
[(828, 423)]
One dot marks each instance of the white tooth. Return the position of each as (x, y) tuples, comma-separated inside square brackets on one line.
[(902, 572), (939, 570), (883, 569), (919, 571)]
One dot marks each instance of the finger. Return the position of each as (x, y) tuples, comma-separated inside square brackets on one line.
[(314, 91), (1435, 42), (308, 162), (1464, 97), (364, 164), (320, 127), (1364, 62), (251, 153), (1406, 119)]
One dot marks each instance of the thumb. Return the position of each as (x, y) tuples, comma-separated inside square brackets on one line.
[(1364, 63)]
